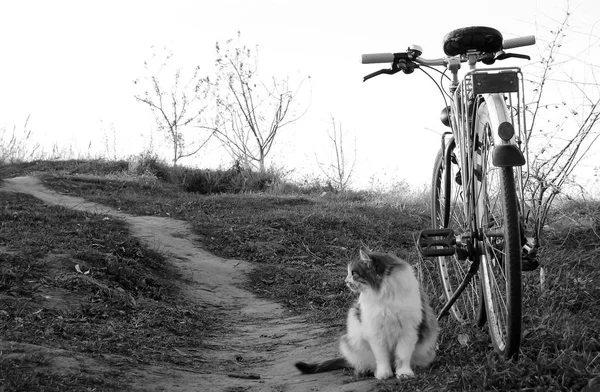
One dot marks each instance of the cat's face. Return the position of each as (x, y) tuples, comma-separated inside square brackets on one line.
[(369, 271), (355, 280)]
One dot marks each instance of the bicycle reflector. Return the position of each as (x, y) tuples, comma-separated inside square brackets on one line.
[(506, 131)]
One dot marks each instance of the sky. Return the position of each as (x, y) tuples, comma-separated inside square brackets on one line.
[(69, 67)]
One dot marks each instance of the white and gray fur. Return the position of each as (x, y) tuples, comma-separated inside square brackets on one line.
[(391, 328)]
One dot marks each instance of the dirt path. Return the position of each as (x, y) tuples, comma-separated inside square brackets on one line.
[(266, 342)]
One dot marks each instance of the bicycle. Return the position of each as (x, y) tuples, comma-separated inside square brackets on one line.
[(478, 210)]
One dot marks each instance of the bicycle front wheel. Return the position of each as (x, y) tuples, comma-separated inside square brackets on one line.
[(448, 211), (500, 246)]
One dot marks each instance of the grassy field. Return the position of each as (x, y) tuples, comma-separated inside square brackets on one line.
[(79, 282), (300, 243)]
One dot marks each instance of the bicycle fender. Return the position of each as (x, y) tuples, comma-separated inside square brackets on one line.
[(506, 153)]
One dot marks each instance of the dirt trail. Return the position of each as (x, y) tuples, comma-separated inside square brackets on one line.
[(266, 342)]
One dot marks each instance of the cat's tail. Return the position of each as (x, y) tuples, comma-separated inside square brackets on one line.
[(332, 364)]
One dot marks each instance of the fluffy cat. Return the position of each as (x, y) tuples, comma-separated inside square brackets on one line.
[(391, 326)]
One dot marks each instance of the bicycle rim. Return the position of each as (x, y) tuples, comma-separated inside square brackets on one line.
[(448, 206), (500, 247)]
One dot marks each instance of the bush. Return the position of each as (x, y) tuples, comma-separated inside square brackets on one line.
[(232, 180), (203, 181), (148, 163)]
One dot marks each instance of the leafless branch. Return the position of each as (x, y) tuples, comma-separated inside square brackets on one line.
[(249, 113), (339, 170), (572, 134), (177, 106)]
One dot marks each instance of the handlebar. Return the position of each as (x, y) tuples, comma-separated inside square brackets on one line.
[(518, 42), (375, 58)]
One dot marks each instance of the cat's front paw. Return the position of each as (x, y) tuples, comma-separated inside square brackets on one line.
[(404, 373), (382, 374)]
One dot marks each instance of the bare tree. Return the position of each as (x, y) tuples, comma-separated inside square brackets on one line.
[(176, 105), (560, 132), (340, 167), (250, 112)]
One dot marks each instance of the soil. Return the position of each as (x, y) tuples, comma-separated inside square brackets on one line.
[(259, 354)]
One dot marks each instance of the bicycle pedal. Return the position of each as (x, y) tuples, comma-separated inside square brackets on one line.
[(437, 242)]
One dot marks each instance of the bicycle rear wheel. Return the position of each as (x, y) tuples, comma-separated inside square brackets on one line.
[(500, 246), (448, 211)]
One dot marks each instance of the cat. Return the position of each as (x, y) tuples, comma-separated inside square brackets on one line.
[(391, 323)]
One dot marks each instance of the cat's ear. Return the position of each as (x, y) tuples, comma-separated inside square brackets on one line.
[(364, 255)]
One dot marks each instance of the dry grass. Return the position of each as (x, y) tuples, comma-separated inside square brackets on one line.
[(122, 300), (301, 244)]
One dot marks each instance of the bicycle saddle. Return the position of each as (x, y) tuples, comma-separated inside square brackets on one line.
[(482, 39)]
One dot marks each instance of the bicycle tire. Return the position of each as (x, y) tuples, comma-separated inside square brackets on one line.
[(448, 212), (498, 221)]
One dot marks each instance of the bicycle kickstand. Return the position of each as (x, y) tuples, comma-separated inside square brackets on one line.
[(472, 271)]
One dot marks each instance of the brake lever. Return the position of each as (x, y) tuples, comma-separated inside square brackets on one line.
[(397, 66), (504, 56), (381, 71)]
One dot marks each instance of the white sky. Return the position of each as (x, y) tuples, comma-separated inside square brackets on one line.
[(70, 65)]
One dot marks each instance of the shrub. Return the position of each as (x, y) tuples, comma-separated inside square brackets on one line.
[(148, 163), (233, 180)]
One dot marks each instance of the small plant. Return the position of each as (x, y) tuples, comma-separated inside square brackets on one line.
[(148, 163), (17, 145), (560, 133), (340, 167)]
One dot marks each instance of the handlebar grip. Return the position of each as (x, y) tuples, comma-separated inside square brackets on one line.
[(374, 58), (518, 42)]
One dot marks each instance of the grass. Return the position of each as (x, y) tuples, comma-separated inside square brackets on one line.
[(124, 302), (301, 244)]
